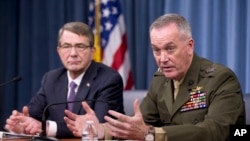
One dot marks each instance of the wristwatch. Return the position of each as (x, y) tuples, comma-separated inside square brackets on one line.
[(150, 134)]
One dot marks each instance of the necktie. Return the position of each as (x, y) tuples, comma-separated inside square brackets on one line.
[(176, 88), (72, 95)]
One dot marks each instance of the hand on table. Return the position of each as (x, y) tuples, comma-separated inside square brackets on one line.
[(22, 123)]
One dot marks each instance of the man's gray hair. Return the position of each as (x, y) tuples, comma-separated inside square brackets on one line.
[(168, 19), (78, 28)]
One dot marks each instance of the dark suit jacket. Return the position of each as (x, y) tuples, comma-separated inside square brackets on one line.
[(187, 118), (99, 82)]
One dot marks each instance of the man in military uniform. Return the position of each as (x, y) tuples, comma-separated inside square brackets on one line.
[(190, 98)]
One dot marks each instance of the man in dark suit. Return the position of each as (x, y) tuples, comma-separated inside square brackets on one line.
[(190, 97), (91, 80)]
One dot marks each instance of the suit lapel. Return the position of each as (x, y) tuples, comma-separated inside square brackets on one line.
[(85, 86), (61, 89), (182, 97), (81, 94), (173, 106), (168, 98)]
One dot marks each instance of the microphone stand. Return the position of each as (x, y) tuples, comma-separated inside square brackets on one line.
[(15, 79)]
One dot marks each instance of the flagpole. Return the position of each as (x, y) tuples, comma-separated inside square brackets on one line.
[(98, 54)]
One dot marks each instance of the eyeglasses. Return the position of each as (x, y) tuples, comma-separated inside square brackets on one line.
[(78, 47)]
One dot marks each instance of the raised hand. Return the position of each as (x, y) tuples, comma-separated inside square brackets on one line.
[(127, 127), (75, 122)]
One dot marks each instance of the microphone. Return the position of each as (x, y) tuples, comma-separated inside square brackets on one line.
[(15, 79), (43, 136)]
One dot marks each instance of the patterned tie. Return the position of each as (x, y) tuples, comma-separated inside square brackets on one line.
[(72, 95)]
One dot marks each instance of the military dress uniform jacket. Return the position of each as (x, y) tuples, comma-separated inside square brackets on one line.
[(209, 100)]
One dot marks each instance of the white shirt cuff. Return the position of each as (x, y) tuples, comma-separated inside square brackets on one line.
[(52, 128)]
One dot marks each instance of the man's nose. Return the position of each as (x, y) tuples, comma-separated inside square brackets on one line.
[(73, 50), (164, 56)]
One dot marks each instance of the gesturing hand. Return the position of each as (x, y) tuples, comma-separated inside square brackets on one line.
[(75, 122), (127, 127)]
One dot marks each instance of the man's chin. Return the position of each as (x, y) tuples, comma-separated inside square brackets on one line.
[(169, 75), (74, 69)]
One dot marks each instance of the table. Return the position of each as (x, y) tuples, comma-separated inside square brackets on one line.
[(25, 139), (7, 136)]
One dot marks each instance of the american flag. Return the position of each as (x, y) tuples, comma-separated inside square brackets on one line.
[(107, 21)]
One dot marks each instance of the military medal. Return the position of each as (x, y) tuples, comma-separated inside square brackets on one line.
[(197, 100)]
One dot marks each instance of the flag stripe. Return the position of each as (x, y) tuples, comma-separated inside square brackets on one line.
[(130, 83), (120, 53), (113, 41)]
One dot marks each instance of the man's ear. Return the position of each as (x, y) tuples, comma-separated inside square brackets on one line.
[(190, 45)]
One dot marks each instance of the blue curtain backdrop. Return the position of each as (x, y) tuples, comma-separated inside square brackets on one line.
[(221, 31), (28, 39)]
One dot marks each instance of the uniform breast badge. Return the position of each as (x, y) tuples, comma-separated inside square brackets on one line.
[(197, 100)]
